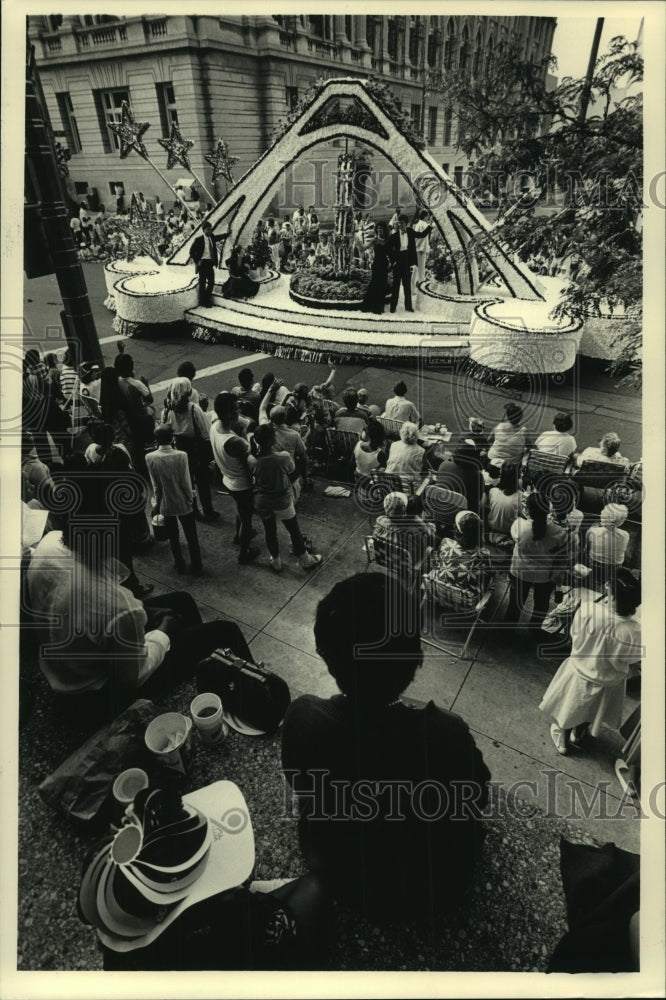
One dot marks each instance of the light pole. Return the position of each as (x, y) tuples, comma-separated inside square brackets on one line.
[(48, 189)]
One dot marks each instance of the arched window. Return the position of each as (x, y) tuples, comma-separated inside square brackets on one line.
[(448, 45), (434, 40), (478, 54), (463, 59)]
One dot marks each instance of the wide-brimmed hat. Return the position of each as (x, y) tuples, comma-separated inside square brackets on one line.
[(140, 879)]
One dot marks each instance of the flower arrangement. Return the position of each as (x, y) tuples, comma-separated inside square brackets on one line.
[(327, 285)]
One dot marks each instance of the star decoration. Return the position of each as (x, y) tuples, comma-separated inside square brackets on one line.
[(129, 132), (177, 149), (221, 162), (143, 233)]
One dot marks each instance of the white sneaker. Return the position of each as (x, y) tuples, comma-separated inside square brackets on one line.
[(308, 561), (276, 564)]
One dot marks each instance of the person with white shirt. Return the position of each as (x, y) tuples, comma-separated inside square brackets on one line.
[(398, 407), (558, 441), (204, 253), (422, 230)]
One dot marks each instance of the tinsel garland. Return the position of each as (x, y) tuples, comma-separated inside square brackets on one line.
[(297, 352), (504, 379)]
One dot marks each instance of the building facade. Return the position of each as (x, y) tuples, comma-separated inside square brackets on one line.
[(238, 78)]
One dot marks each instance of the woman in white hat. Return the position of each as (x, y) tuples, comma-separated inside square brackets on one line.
[(607, 542)]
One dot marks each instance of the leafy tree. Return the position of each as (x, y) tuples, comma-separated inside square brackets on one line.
[(570, 183)]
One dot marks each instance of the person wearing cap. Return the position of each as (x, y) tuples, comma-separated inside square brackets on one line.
[(587, 692), (371, 752), (462, 560), (509, 438), (409, 531), (174, 497), (608, 451), (606, 542), (398, 407), (559, 441), (406, 455)]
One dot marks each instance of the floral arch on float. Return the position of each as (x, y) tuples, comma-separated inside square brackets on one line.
[(503, 325)]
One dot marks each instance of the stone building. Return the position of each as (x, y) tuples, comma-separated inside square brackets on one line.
[(238, 78)]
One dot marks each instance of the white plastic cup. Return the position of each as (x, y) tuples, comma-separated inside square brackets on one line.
[(128, 784), (206, 712), (167, 737)]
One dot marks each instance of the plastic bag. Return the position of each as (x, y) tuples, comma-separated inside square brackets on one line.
[(82, 787)]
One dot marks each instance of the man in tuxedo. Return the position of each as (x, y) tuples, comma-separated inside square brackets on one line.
[(205, 255), (402, 251)]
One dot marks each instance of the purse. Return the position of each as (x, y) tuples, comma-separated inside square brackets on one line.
[(254, 699)]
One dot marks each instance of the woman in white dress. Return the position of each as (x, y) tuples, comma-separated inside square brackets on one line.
[(588, 689)]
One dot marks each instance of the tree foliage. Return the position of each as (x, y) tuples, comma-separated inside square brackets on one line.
[(570, 185)]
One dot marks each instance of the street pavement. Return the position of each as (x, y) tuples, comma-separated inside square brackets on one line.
[(498, 686)]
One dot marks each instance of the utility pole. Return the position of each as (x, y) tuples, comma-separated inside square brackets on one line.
[(587, 88), (47, 186)]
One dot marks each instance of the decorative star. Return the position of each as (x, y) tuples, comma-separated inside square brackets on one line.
[(143, 233), (129, 131), (177, 149), (221, 162)]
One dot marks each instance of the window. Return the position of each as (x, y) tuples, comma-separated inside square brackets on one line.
[(477, 54), (448, 127), (458, 176), (416, 115), (348, 28), (433, 47), (448, 46), (70, 128), (320, 25), (371, 31), (414, 42), (109, 104), (291, 97), (392, 39), (166, 100), (432, 126), (445, 167), (463, 59)]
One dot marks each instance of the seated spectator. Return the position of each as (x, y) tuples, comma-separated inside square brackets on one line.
[(539, 555), (462, 474), (503, 506), (364, 403), (370, 453), (606, 542), (104, 643), (462, 560), (491, 476), (349, 417), (508, 439), (476, 433), (407, 530), (368, 742), (558, 441), (608, 451), (406, 455), (398, 407)]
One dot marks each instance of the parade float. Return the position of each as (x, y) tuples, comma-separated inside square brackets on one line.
[(483, 307)]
